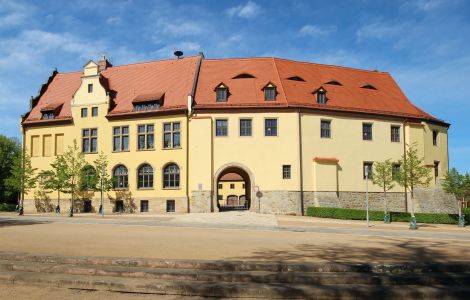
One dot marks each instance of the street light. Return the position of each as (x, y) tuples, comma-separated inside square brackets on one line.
[(366, 172)]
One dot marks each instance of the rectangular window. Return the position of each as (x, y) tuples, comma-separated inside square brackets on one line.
[(325, 129), (170, 206), (232, 186), (270, 94), (47, 145), (145, 137), (220, 197), (221, 94), (321, 97), (84, 112), (90, 88), (94, 111), (59, 144), (436, 169), (367, 168), (171, 135), (221, 127), (245, 127), (48, 115), (434, 137), (366, 131), (144, 205), (395, 134), (220, 185), (286, 172), (89, 140), (395, 170), (35, 146), (270, 127), (121, 138)]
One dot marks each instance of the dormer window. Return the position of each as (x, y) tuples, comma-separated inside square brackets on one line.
[(221, 93), (48, 115), (270, 92), (243, 75), (296, 78), (321, 95), (333, 82), (146, 102), (369, 87)]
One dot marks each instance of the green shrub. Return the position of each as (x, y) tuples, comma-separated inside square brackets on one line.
[(7, 207), (357, 214)]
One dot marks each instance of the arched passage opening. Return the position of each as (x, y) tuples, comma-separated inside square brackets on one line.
[(233, 189)]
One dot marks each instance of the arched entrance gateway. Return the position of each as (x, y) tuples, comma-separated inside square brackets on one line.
[(233, 189)]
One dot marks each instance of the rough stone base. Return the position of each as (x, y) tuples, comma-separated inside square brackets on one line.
[(435, 200), (277, 202), (157, 205), (201, 201)]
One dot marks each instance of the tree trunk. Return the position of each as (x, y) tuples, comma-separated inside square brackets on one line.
[(460, 206), (385, 202), (412, 202), (58, 198)]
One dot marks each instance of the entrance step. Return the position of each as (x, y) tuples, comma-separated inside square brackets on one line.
[(282, 280), (231, 290)]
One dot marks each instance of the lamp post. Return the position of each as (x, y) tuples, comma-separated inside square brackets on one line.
[(366, 171)]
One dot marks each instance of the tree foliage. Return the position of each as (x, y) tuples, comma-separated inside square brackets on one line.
[(383, 177), (22, 176), (9, 149)]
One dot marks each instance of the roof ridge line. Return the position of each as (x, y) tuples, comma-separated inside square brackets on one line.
[(280, 81)]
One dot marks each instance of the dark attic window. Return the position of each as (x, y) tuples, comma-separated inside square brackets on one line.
[(144, 106), (321, 97), (48, 115), (270, 93), (333, 82), (221, 93), (369, 87), (296, 78), (243, 75)]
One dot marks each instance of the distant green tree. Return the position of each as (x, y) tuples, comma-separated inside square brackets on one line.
[(413, 174), (458, 185), (9, 149), (383, 177), (71, 163), (22, 177)]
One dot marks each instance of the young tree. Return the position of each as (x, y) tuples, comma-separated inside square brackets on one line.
[(413, 174), (55, 179), (22, 177), (104, 180), (71, 163), (454, 183), (383, 177)]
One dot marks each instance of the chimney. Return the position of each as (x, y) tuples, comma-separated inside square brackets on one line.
[(103, 64)]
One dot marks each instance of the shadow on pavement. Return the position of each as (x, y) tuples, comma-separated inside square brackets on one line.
[(4, 222)]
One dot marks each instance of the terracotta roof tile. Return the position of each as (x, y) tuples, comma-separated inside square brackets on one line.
[(231, 177)]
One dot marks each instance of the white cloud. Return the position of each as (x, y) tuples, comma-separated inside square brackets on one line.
[(378, 30), (113, 20), (13, 13), (315, 31), (425, 5), (247, 10), (178, 28)]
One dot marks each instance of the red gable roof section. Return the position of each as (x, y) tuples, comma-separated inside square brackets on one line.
[(173, 78)]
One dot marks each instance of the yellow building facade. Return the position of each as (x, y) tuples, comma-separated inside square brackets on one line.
[(173, 130)]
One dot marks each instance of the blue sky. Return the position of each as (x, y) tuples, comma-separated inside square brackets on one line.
[(425, 44)]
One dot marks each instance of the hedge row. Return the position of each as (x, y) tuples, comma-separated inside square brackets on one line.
[(356, 214), (7, 207)]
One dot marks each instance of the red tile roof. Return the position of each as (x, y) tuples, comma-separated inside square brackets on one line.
[(173, 80), (126, 83), (387, 99), (231, 177)]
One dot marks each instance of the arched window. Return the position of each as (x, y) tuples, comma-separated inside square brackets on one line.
[(88, 178), (121, 177), (145, 176), (171, 176)]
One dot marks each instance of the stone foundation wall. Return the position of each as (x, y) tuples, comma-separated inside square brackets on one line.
[(156, 205), (201, 201), (277, 202), (435, 200)]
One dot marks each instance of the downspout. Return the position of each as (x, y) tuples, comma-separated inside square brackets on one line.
[(404, 161), (188, 115), (301, 177)]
